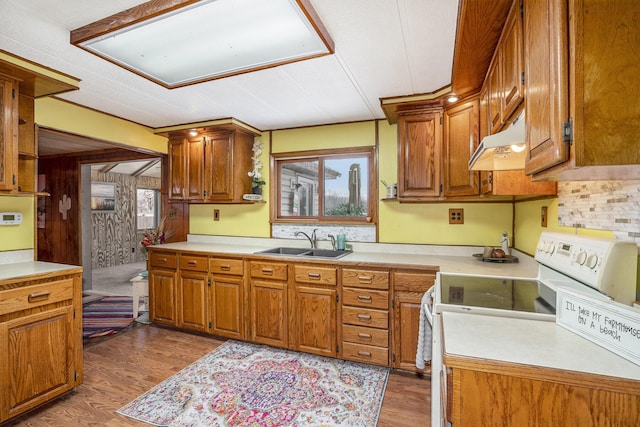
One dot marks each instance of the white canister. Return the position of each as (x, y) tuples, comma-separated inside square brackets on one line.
[(392, 191)]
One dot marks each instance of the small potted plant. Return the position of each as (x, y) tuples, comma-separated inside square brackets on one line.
[(256, 176)]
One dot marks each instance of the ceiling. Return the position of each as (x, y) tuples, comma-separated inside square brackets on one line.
[(383, 48)]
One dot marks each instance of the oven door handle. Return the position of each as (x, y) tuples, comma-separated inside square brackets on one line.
[(427, 301)]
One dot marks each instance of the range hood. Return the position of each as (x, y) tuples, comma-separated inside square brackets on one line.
[(502, 151)]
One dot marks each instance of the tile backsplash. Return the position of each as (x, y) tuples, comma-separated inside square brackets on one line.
[(353, 233), (601, 205)]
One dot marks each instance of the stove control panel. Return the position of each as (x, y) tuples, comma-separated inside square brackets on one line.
[(606, 265)]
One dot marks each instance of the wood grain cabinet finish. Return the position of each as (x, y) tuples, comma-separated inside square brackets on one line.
[(408, 288), (8, 134), (40, 341), (268, 302), (461, 137), (313, 309), (211, 167), (581, 64), (538, 396), (419, 155), (163, 287), (364, 319), (226, 298)]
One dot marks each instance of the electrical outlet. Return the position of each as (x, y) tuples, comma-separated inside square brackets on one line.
[(216, 214), (543, 216), (456, 216)]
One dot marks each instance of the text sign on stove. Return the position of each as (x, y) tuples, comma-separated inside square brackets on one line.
[(613, 326)]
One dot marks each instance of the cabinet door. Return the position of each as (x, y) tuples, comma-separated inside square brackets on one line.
[(512, 62), (8, 134), (546, 83), (219, 165), (407, 322), (485, 176), (461, 132), (494, 78), (226, 306), (162, 297), (195, 189), (269, 320), (192, 292), (419, 155), (177, 168), (37, 359), (314, 312)]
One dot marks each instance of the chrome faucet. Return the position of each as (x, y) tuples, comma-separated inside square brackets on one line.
[(333, 241), (313, 239)]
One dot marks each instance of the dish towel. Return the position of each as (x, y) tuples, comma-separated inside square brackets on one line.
[(423, 352)]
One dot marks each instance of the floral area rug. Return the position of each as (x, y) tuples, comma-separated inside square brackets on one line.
[(243, 384)]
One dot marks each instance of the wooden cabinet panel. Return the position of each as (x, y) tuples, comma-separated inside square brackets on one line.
[(494, 79), (226, 306), (512, 62), (419, 155), (28, 297), (226, 266), (462, 136), (177, 165), (546, 83), (269, 320), (162, 297), (192, 300), (365, 317), (365, 336), (193, 262), (314, 312), (34, 377), (268, 270), (413, 281), (219, 166), (365, 298), (8, 134), (365, 353), (371, 279), (166, 260), (194, 172), (314, 274)]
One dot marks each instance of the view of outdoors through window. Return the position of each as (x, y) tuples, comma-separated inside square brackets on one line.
[(325, 186), (147, 208)]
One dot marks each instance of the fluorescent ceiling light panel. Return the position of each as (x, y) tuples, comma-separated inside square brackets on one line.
[(210, 39)]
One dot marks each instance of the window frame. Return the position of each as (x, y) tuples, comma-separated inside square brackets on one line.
[(157, 205), (296, 156)]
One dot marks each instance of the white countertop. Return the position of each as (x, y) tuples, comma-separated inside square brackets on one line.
[(31, 268), (530, 342), (449, 259)]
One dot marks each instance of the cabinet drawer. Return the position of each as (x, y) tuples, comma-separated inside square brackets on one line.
[(35, 295), (269, 270), (315, 275), (163, 259), (413, 282), (365, 279), (193, 262), (365, 298), (365, 353), (226, 266), (365, 317), (366, 336)]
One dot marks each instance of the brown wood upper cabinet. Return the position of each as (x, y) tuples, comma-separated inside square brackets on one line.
[(461, 137), (8, 133), (210, 167), (419, 154), (582, 71)]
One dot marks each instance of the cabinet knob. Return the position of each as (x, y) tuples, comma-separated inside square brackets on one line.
[(364, 354), (365, 279), (364, 336), (192, 262), (364, 317), (366, 298), (314, 276), (225, 267)]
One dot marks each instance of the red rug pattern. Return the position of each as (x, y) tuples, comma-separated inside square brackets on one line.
[(106, 316)]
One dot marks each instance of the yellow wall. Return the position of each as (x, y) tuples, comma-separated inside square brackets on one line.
[(14, 237), (398, 222), (55, 114)]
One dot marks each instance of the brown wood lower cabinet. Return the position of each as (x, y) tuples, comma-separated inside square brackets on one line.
[(226, 298), (163, 272), (535, 396), (193, 280), (269, 303), (313, 309), (40, 340), (409, 287)]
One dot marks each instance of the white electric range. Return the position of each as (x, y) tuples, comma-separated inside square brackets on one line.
[(598, 267)]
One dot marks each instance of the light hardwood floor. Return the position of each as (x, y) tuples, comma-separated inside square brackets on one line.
[(119, 369)]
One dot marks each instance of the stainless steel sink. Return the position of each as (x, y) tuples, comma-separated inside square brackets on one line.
[(305, 252), (284, 251)]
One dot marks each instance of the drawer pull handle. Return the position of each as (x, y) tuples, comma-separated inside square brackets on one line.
[(364, 354), (364, 298), (192, 262), (365, 279), (162, 260), (225, 267), (364, 317), (39, 296), (364, 336), (268, 271), (314, 276)]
